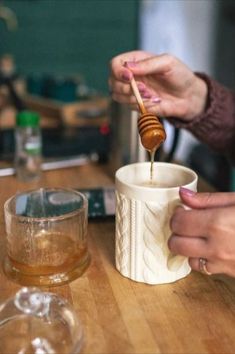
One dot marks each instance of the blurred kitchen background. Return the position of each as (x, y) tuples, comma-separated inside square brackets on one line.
[(55, 60)]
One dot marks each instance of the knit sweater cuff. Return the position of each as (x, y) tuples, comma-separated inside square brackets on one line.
[(215, 124)]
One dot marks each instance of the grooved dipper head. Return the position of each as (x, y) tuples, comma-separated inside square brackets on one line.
[(152, 132)]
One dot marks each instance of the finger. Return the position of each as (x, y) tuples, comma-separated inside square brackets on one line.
[(160, 64), (191, 223), (118, 62), (206, 200), (120, 88), (121, 73), (213, 267), (153, 105), (157, 106), (166, 107), (195, 265), (130, 100), (188, 247)]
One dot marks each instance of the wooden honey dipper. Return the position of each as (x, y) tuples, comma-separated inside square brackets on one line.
[(152, 132)]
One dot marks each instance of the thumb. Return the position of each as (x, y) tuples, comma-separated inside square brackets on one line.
[(206, 200), (152, 65)]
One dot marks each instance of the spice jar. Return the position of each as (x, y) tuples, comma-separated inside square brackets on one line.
[(28, 146)]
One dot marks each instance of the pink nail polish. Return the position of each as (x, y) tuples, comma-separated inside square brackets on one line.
[(187, 192), (126, 76), (141, 87), (146, 95), (156, 99)]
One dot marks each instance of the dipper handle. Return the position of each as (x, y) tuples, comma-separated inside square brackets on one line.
[(137, 95)]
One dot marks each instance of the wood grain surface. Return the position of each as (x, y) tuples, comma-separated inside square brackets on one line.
[(193, 315)]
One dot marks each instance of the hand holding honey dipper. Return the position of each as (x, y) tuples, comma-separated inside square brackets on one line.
[(169, 88)]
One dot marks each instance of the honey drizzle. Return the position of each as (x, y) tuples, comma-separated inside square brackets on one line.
[(152, 154)]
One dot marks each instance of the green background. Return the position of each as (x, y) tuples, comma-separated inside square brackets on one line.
[(65, 37)]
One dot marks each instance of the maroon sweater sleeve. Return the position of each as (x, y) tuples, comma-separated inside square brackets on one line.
[(216, 126)]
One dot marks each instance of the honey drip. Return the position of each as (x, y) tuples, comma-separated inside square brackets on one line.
[(152, 154)]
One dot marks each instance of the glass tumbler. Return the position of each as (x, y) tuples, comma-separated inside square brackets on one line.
[(46, 236), (36, 322)]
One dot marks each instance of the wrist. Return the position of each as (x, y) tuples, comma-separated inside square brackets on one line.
[(200, 98)]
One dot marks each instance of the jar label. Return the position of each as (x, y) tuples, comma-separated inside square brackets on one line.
[(33, 147)]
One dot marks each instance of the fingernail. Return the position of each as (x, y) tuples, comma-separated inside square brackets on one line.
[(141, 87), (131, 64), (146, 95), (126, 76), (156, 99), (187, 192)]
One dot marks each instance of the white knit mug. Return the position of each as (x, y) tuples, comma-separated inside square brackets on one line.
[(143, 212)]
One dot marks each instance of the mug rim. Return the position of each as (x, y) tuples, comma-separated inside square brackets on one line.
[(168, 164)]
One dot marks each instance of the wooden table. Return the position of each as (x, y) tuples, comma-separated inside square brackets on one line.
[(193, 315)]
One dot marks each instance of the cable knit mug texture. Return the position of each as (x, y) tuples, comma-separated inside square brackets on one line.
[(143, 212)]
